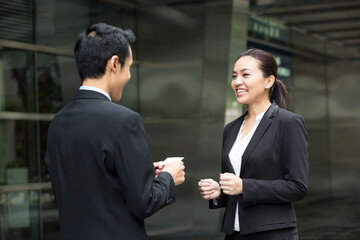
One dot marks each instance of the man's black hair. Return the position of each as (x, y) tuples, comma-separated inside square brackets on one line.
[(97, 44)]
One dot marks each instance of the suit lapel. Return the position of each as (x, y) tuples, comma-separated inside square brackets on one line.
[(259, 133), (233, 133)]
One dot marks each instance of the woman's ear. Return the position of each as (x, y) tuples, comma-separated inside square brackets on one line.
[(270, 81)]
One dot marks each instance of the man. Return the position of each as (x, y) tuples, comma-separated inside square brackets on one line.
[(100, 166)]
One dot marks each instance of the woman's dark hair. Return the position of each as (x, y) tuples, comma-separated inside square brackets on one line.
[(97, 44), (268, 66)]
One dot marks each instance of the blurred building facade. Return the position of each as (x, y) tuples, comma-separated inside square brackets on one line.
[(184, 54)]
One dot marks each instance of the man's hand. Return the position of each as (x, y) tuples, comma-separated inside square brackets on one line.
[(176, 169), (158, 166), (231, 184), (209, 189)]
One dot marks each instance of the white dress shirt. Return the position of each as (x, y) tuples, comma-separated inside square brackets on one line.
[(236, 153), (99, 90)]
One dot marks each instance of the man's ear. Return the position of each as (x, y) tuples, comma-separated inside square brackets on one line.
[(270, 81), (113, 63)]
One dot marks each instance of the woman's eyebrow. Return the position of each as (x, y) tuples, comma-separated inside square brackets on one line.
[(244, 69)]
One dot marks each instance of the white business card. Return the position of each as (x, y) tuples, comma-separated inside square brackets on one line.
[(172, 159)]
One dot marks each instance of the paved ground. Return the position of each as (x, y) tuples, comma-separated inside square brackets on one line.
[(331, 219), (335, 219)]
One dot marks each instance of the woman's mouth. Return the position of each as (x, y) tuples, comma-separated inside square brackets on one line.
[(240, 91)]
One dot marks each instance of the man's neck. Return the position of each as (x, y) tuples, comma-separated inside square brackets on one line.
[(96, 82)]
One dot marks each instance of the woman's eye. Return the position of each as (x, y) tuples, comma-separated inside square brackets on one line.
[(245, 74), (234, 76)]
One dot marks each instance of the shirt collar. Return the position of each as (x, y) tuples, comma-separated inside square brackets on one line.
[(260, 115), (99, 90)]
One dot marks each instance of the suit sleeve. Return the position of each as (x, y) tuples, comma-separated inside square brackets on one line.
[(294, 160), (144, 193)]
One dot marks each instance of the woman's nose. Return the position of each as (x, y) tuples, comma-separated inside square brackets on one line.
[(238, 81)]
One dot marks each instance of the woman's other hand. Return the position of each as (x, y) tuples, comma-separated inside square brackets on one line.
[(209, 189), (231, 184)]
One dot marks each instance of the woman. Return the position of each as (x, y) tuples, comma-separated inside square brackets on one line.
[(264, 166)]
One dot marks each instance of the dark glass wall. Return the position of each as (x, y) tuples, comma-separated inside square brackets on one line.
[(178, 85)]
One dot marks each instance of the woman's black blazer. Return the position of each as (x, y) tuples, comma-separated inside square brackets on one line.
[(274, 171)]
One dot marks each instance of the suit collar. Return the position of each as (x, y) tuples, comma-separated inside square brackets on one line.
[(259, 133), (270, 113), (96, 89), (88, 94), (272, 110)]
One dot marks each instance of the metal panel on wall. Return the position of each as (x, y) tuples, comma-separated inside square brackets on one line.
[(344, 85), (183, 49)]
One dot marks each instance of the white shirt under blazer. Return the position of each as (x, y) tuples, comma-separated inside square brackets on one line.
[(236, 153)]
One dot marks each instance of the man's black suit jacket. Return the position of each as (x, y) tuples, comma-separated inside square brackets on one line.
[(101, 170), (274, 171)]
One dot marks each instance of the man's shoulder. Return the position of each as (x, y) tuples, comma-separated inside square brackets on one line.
[(115, 107), (118, 112), (100, 105), (99, 109)]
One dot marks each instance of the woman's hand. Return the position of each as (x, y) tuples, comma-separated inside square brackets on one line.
[(231, 184), (209, 189)]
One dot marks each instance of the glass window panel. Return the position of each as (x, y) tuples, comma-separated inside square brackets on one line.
[(43, 126), (58, 81), (17, 88), (18, 152), (17, 20), (19, 216), (59, 22), (51, 227)]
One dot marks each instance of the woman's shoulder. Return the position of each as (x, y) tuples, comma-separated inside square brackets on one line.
[(287, 115), (287, 118)]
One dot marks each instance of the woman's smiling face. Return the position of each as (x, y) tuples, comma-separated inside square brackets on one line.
[(248, 81)]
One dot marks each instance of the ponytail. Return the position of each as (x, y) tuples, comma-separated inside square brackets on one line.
[(278, 93)]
